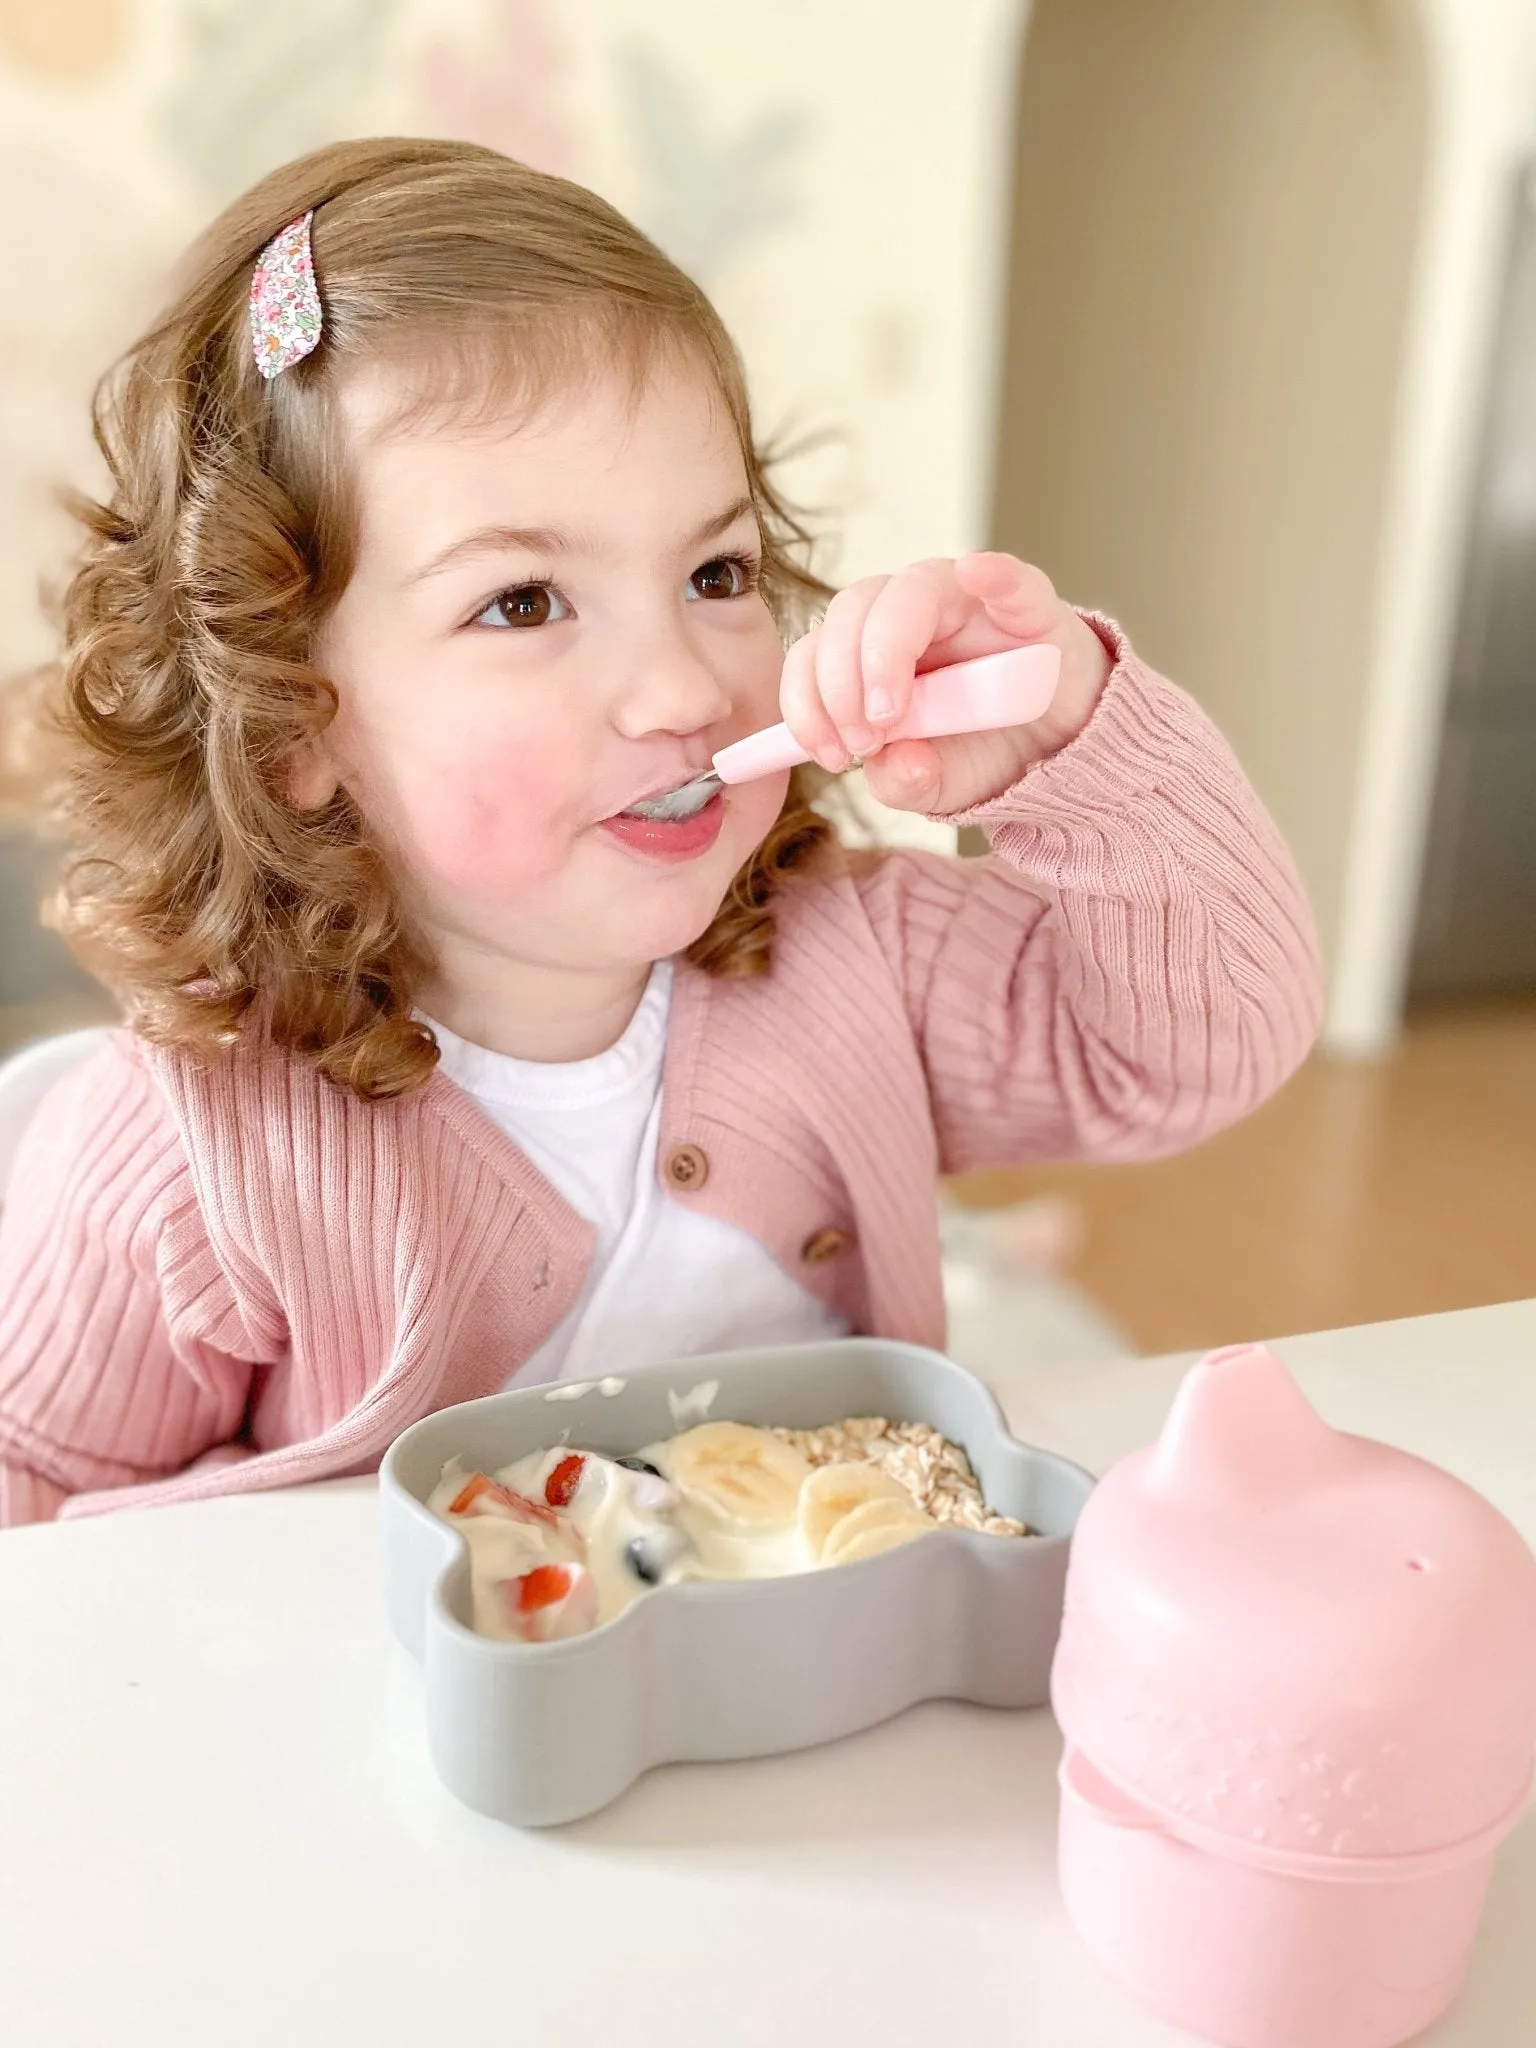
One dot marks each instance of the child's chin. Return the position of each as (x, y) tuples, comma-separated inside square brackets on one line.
[(673, 928), (677, 905)]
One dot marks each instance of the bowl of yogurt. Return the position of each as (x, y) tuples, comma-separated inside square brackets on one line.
[(725, 1558)]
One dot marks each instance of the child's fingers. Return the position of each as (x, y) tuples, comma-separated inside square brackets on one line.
[(839, 672), (945, 776), (1018, 598), (908, 775), (802, 710), (922, 604), (849, 682)]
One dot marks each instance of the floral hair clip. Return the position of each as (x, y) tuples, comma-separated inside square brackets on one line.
[(285, 304)]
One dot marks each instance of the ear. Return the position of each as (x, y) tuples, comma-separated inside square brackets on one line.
[(311, 779)]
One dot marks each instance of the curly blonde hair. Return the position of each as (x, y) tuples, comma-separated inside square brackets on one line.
[(196, 888)]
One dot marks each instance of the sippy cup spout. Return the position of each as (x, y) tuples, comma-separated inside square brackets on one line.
[(1242, 1430)]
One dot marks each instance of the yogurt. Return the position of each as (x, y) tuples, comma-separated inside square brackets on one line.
[(563, 1540)]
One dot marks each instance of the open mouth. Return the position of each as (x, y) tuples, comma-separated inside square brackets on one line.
[(675, 806)]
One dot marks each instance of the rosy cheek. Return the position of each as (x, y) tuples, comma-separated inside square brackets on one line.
[(755, 806), (493, 824)]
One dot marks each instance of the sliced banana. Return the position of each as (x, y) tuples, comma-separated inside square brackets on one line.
[(835, 1491), (744, 1476), (874, 1514), (886, 1537)]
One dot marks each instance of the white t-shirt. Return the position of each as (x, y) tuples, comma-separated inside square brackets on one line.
[(665, 1282)]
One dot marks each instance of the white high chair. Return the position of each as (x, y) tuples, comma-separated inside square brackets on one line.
[(27, 1076)]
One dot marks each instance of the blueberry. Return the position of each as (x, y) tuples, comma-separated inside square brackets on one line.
[(652, 1556), (640, 1465)]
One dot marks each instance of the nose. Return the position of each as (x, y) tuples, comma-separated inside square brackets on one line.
[(668, 688)]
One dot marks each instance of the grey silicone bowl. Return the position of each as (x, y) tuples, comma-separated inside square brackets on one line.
[(540, 1733)]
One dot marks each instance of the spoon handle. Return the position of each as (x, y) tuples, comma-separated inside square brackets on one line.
[(992, 691)]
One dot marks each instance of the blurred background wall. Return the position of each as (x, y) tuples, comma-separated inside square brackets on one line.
[(1272, 265), (1225, 314), (1223, 339)]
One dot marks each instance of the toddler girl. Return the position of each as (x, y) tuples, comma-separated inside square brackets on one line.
[(436, 548)]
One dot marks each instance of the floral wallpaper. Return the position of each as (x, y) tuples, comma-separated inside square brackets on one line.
[(253, 86), (66, 40), (709, 196), (507, 87)]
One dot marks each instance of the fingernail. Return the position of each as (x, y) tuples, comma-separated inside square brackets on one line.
[(833, 759), (879, 706), (859, 740)]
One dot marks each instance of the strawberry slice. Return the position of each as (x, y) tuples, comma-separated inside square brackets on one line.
[(482, 1495), (551, 1602), (543, 1586), (560, 1487), (476, 1484)]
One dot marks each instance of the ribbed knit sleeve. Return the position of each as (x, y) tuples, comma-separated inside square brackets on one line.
[(1133, 968), (26, 1496), (120, 1348)]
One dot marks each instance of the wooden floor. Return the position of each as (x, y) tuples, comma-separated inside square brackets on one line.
[(1362, 1192)]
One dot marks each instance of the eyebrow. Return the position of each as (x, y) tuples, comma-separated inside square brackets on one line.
[(556, 540)]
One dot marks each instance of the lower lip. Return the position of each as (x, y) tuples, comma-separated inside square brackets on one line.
[(670, 839)]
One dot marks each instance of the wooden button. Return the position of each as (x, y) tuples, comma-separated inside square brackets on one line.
[(825, 1245), (687, 1167)]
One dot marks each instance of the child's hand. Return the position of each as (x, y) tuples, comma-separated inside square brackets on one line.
[(850, 679)]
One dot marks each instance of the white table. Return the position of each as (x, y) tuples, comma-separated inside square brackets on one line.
[(218, 1825)]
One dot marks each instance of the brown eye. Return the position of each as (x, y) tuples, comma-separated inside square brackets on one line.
[(727, 576), (530, 604)]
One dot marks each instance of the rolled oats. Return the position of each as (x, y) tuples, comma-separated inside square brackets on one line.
[(935, 1472)]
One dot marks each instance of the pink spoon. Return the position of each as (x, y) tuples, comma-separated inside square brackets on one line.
[(986, 694)]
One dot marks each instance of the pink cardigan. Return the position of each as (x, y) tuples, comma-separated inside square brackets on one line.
[(219, 1278)]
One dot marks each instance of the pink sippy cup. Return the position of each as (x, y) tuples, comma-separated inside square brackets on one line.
[(1297, 1682)]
